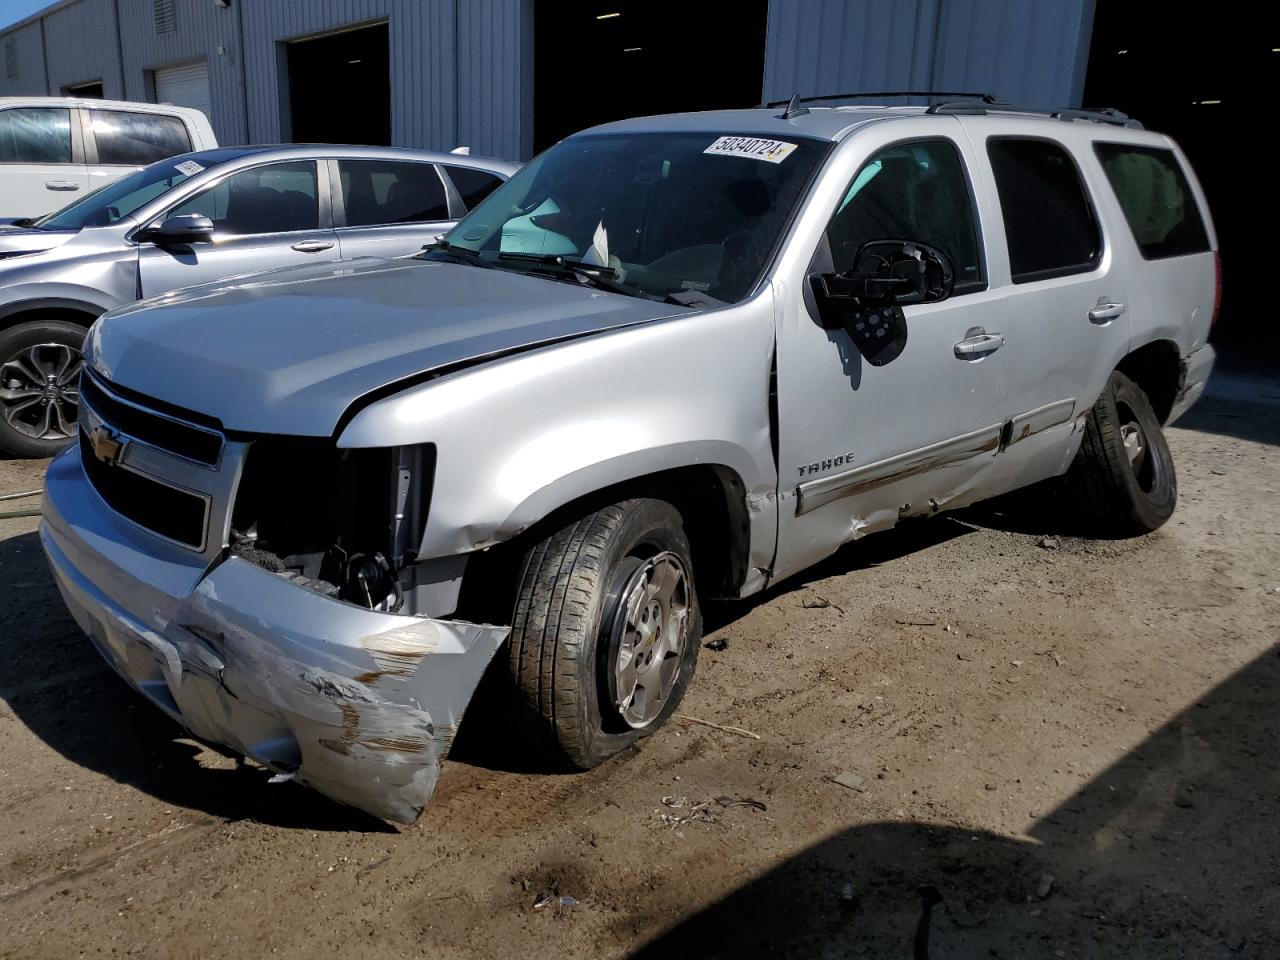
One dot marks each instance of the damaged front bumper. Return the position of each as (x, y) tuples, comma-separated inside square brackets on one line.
[(360, 705)]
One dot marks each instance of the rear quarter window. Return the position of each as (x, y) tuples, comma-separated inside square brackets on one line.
[(1156, 199), (473, 185), (1048, 217)]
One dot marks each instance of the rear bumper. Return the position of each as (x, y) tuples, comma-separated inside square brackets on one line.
[(1196, 367), (360, 705)]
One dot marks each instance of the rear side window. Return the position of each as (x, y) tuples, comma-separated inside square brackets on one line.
[(473, 185), (136, 139), (35, 135), (276, 198), (391, 191), (1156, 199), (1048, 219)]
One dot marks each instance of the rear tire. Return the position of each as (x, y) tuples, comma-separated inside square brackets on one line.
[(1123, 478), (598, 659), (39, 386)]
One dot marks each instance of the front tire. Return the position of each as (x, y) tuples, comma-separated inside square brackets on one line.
[(605, 633), (40, 365), (1123, 478)]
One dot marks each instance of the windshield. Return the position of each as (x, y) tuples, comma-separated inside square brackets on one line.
[(661, 214), (121, 198)]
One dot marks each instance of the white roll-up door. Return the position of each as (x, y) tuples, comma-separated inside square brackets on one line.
[(184, 86)]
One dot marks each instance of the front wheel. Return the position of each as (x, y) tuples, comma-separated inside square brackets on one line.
[(1123, 478), (40, 365), (605, 632)]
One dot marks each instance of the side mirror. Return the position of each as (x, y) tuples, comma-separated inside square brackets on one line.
[(867, 301), (188, 228)]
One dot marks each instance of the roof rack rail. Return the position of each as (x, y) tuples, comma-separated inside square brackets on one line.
[(970, 108), (950, 94)]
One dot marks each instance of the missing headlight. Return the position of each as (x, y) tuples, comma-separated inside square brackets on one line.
[(347, 521)]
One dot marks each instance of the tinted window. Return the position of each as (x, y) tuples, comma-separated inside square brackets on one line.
[(391, 191), (1156, 199), (135, 139), (276, 198), (35, 136), (1048, 219), (473, 185), (910, 191)]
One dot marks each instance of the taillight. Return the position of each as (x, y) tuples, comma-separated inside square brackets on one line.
[(1217, 288)]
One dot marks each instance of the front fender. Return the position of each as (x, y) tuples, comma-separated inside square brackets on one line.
[(520, 437)]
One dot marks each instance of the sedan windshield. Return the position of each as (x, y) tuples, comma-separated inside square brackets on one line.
[(121, 198), (682, 215)]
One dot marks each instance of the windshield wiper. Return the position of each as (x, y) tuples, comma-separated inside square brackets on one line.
[(461, 254), (594, 274)]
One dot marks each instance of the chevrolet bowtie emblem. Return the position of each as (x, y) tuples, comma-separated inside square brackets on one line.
[(106, 446)]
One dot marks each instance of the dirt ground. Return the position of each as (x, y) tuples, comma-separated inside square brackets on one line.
[(1075, 743)]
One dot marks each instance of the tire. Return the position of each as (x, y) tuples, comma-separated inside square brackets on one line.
[(38, 350), (1119, 494), (571, 626)]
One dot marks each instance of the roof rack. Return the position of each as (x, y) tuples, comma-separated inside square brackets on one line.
[(796, 99), (978, 108), (964, 104)]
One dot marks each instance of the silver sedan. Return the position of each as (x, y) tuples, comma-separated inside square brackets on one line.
[(191, 219)]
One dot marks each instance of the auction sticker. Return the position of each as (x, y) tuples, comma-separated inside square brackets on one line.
[(756, 148), (189, 167)]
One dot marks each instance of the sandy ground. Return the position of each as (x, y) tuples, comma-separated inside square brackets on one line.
[(1075, 743)]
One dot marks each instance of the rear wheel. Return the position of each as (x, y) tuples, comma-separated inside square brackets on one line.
[(40, 365), (1123, 477), (605, 633)]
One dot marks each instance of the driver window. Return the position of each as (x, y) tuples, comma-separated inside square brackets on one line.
[(911, 191), (276, 198)]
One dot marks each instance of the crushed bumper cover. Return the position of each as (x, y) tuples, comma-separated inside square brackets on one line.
[(360, 705)]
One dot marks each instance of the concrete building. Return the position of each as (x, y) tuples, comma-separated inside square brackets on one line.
[(508, 77)]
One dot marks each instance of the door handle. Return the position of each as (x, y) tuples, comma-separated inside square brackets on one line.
[(62, 185), (978, 345), (1105, 311), (312, 246)]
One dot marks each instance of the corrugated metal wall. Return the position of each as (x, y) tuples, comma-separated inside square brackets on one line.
[(202, 31), (461, 70), (1028, 51), (80, 45), (28, 62)]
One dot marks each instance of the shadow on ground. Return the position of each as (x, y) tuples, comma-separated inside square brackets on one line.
[(1172, 852), (56, 684)]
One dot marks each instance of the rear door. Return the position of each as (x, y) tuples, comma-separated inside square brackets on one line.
[(117, 142), (264, 217), (388, 208), (1053, 254), (41, 160)]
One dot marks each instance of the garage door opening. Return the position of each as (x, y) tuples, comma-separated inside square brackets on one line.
[(185, 85), (601, 61), (340, 88)]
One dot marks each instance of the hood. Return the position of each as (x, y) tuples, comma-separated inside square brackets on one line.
[(18, 240), (287, 352)]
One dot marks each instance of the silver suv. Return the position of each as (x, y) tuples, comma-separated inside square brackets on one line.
[(195, 218), (672, 358)]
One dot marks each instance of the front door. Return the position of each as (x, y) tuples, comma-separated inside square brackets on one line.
[(861, 445), (264, 217)]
